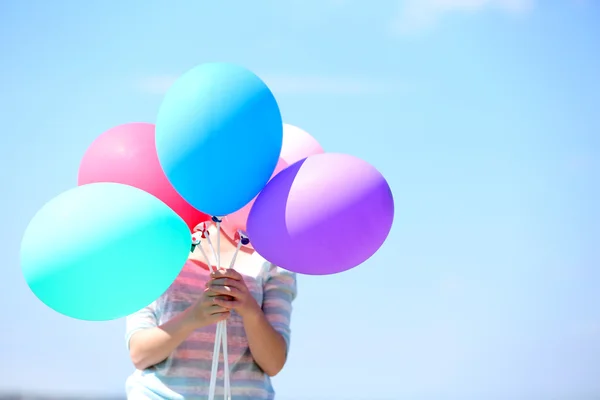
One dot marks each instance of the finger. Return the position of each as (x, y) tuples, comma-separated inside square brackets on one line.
[(211, 293), (210, 301), (233, 274), (223, 297), (220, 282), (216, 309), (221, 316), (228, 304), (227, 273), (232, 291), (228, 291), (219, 290), (220, 273)]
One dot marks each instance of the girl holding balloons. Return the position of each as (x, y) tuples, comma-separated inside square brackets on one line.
[(171, 341), (145, 187)]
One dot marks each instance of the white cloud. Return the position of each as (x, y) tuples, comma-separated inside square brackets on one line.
[(416, 15), (293, 84)]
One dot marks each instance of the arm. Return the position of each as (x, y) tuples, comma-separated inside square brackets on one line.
[(268, 330), (152, 345), (268, 347)]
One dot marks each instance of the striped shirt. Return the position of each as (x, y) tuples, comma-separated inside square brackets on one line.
[(185, 374)]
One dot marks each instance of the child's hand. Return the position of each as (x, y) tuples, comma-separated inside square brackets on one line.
[(229, 282), (205, 311)]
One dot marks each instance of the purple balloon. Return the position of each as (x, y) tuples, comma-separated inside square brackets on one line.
[(322, 215)]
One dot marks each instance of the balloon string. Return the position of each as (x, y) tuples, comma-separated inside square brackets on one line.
[(213, 251), (226, 383), (226, 377), (221, 333), (216, 348), (215, 364), (205, 258)]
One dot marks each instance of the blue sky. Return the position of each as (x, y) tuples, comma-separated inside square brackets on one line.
[(482, 114)]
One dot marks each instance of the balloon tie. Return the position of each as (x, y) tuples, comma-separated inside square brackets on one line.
[(195, 240), (242, 237)]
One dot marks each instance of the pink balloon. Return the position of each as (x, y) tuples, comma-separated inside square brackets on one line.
[(127, 154), (298, 144), (237, 220)]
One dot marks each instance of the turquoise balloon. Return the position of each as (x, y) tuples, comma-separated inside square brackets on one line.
[(218, 137), (103, 251)]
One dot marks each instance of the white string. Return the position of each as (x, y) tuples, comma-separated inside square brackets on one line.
[(226, 377), (213, 250), (216, 348), (221, 333), (215, 363), (226, 383), (205, 257), (226, 391), (237, 250)]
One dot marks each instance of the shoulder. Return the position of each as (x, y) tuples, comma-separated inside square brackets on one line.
[(270, 270), (277, 280)]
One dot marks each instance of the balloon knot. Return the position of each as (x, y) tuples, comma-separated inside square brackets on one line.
[(196, 238), (217, 220), (242, 237)]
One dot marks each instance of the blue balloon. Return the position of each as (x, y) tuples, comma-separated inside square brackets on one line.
[(218, 137), (103, 251)]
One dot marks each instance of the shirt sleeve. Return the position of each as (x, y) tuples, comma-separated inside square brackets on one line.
[(142, 319), (280, 290)]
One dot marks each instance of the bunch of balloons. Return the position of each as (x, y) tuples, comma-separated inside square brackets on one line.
[(219, 148)]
